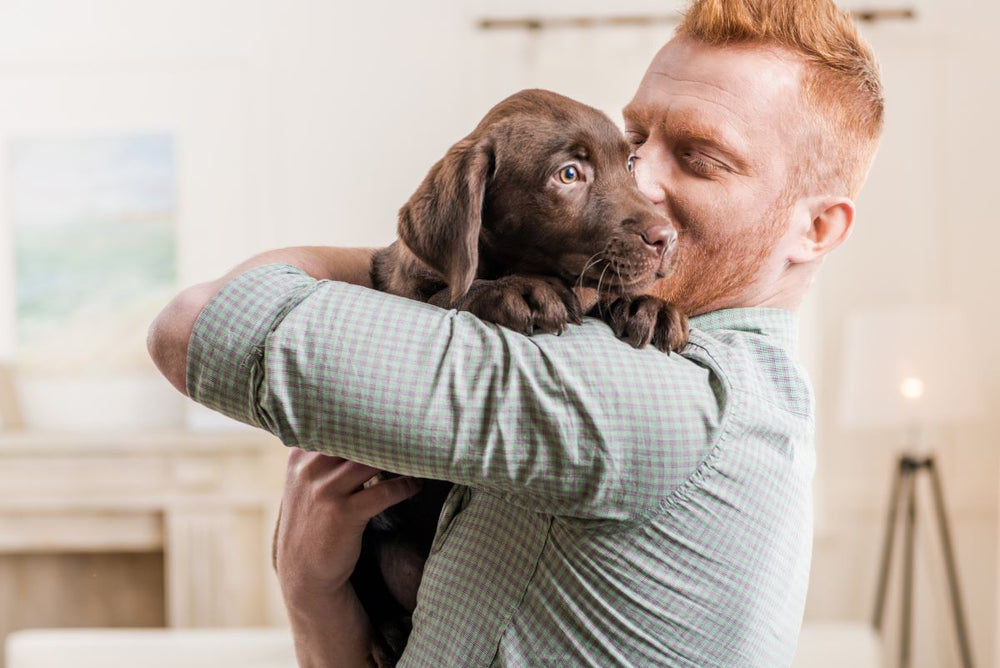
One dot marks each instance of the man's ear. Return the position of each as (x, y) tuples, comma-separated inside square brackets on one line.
[(826, 222)]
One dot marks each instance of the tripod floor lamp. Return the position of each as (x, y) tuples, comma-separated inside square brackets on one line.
[(908, 369)]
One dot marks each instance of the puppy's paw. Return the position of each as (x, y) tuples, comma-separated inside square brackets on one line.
[(643, 320), (526, 304)]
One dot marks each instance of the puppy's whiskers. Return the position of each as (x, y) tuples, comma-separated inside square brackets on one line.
[(621, 282), (600, 283), (591, 261)]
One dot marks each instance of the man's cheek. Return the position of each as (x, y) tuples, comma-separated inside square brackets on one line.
[(694, 221)]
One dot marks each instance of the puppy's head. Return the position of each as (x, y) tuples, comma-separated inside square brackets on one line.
[(541, 186)]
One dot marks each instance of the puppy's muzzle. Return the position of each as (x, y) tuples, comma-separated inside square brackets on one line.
[(659, 238)]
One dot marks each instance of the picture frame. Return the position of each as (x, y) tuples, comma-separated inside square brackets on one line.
[(206, 116)]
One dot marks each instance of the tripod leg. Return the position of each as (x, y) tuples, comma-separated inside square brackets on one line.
[(949, 560), (887, 545), (909, 528)]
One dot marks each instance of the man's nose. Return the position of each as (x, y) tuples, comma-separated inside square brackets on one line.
[(659, 237), (648, 180)]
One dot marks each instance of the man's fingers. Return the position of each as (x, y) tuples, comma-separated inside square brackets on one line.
[(341, 475), (303, 464), (385, 493), (347, 477), (337, 478)]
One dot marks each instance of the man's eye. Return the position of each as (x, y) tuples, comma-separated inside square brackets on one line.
[(569, 174), (700, 164), (634, 138)]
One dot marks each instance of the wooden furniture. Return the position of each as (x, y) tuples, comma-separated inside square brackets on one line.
[(206, 501)]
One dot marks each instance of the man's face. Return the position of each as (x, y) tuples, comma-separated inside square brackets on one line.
[(715, 132)]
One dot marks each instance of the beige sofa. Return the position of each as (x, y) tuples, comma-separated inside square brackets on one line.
[(150, 648), (838, 645), (821, 645)]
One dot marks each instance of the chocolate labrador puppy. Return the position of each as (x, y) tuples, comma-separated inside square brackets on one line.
[(538, 199)]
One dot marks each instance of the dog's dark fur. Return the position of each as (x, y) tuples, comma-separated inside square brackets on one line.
[(495, 229)]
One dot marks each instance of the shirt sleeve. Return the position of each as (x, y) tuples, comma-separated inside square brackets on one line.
[(579, 424)]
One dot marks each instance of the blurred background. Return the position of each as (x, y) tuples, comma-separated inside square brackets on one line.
[(148, 145)]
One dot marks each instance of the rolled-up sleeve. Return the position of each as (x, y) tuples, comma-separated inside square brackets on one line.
[(579, 424), (227, 342)]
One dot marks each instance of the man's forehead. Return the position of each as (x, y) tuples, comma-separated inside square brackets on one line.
[(747, 84)]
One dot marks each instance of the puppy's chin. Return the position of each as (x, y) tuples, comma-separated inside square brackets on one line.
[(613, 285), (653, 282), (588, 297), (667, 264)]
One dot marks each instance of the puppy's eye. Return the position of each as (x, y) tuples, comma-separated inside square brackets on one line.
[(631, 163), (569, 174)]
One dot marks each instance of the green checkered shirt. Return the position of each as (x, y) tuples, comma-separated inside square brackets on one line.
[(614, 507)]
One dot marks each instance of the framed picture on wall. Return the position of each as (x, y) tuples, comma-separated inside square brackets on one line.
[(116, 188), (93, 219)]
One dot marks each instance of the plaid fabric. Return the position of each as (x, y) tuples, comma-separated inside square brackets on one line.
[(614, 507)]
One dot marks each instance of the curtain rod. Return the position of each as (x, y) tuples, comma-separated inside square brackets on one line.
[(540, 23)]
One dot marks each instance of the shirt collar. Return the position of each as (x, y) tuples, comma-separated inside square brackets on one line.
[(778, 324)]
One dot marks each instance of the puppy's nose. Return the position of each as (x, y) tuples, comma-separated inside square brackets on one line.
[(659, 237)]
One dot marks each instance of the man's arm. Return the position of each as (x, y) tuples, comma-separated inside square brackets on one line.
[(171, 331), (324, 511), (580, 425)]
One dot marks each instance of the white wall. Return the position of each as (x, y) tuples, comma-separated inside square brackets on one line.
[(301, 121), (926, 233), (297, 122)]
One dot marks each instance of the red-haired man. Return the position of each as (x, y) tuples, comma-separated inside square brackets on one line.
[(613, 507)]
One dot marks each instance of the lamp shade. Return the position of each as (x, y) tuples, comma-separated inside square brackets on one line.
[(908, 366)]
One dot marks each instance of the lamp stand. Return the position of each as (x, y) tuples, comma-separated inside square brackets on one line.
[(904, 490)]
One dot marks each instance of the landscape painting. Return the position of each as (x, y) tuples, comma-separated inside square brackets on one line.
[(93, 221)]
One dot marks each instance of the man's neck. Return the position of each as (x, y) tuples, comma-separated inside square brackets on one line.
[(786, 293)]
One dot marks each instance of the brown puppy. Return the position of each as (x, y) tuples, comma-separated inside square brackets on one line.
[(537, 199)]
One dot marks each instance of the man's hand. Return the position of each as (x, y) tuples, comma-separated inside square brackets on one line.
[(324, 511)]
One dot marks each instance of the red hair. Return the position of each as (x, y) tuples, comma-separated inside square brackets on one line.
[(842, 85)]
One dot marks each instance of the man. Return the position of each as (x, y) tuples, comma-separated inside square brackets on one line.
[(614, 506)]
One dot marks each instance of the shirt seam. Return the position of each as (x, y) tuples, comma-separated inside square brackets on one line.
[(506, 626), (625, 526), (734, 410), (256, 369)]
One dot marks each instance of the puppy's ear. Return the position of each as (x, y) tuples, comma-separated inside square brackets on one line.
[(440, 223)]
